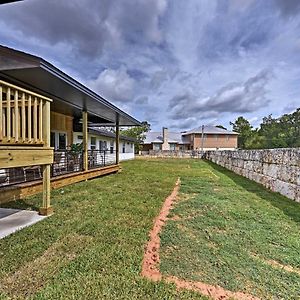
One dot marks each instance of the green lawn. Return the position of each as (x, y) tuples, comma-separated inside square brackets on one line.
[(92, 247), (226, 231), (229, 231)]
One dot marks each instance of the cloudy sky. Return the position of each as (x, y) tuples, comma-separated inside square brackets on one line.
[(173, 63)]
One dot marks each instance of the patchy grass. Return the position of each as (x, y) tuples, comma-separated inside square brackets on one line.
[(229, 231), (92, 247), (224, 230)]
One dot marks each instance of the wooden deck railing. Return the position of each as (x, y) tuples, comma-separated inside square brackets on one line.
[(23, 115)]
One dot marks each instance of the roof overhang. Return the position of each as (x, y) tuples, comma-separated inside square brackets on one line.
[(106, 133), (9, 1), (212, 133), (69, 96)]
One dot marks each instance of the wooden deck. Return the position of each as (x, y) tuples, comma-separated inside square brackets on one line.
[(23, 190)]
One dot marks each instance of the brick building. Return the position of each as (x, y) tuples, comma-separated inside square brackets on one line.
[(208, 137)]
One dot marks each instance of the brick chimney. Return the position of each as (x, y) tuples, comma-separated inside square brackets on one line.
[(165, 145)]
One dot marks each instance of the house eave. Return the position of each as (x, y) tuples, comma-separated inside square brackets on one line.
[(36, 73)]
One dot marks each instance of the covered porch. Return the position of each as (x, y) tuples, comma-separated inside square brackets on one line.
[(30, 90)]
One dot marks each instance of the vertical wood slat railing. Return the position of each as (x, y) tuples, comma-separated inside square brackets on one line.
[(21, 116)]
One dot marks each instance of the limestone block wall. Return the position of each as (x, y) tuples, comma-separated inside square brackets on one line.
[(172, 154), (276, 169)]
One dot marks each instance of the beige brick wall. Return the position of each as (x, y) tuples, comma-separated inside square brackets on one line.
[(215, 141)]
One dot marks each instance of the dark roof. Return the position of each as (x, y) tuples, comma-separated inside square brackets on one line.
[(209, 129), (103, 132), (69, 95), (157, 137), (8, 1)]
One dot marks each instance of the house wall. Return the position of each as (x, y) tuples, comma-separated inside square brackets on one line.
[(276, 169), (62, 123), (183, 147), (214, 141), (129, 146), (146, 147), (126, 156)]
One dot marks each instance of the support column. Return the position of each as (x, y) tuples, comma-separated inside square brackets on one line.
[(117, 139), (85, 140), (46, 208)]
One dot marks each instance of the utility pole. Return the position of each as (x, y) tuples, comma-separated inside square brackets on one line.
[(202, 139)]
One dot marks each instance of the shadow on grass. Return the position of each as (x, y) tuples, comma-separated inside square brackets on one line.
[(20, 204), (289, 207)]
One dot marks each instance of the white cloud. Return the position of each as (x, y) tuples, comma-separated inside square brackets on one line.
[(114, 85), (143, 54)]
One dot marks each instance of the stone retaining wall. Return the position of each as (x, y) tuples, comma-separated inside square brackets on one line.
[(276, 169), (172, 154)]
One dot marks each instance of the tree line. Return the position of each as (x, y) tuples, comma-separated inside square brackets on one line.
[(282, 132)]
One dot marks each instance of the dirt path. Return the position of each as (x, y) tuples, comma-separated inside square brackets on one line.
[(150, 265)]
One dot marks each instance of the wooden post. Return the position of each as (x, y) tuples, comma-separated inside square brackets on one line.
[(16, 119), (35, 122), (23, 135), (8, 112), (46, 209), (29, 118), (85, 140), (117, 139), (1, 116)]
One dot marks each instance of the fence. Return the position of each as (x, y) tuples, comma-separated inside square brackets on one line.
[(173, 153), (64, 162)]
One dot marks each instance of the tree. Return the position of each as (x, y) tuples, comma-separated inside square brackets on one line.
[(138, 133), (255, 141), (273, 132), (283, 131), (244, 128)]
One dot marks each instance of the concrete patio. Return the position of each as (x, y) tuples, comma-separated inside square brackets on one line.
[(12, 220)]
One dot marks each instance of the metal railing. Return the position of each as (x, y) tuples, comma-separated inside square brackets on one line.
[(101, 158), (19, 175), (64, 162)]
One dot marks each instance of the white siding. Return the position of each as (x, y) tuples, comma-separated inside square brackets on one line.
[(129, 146)]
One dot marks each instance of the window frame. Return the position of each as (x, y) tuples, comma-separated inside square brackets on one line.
[(56, 139)]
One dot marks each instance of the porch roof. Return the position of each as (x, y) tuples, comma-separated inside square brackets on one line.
[(102, 132), (69, 96)]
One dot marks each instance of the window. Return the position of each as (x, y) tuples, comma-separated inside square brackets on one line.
[(103, 145), (216, 137), (80, 137), (156, 146), (52, 139), (93, 143), (58, 140), (111, 147), (227, 137), (62, 140), (172, 147), (123, 148)]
